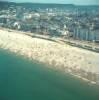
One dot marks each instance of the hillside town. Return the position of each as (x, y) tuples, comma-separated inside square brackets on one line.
[(69, 21)]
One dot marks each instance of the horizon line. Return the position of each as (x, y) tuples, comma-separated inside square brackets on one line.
[(53, 3)]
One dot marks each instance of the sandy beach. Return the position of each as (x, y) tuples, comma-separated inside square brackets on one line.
[(80, 62)]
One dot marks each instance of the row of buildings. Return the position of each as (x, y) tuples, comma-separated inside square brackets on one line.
[(71, 22)]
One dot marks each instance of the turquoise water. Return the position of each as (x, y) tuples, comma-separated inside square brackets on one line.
[(21, 79)]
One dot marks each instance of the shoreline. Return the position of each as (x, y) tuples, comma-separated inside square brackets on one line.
[(78, 62)]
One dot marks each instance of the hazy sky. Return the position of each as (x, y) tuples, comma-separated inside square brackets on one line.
[(81, 2)]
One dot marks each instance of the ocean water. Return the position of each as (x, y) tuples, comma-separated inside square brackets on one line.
[(21, 79)]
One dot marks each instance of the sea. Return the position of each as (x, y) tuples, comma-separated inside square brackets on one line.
[(23, 79)]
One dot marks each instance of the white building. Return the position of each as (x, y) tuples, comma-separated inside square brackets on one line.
[(17, 25)]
